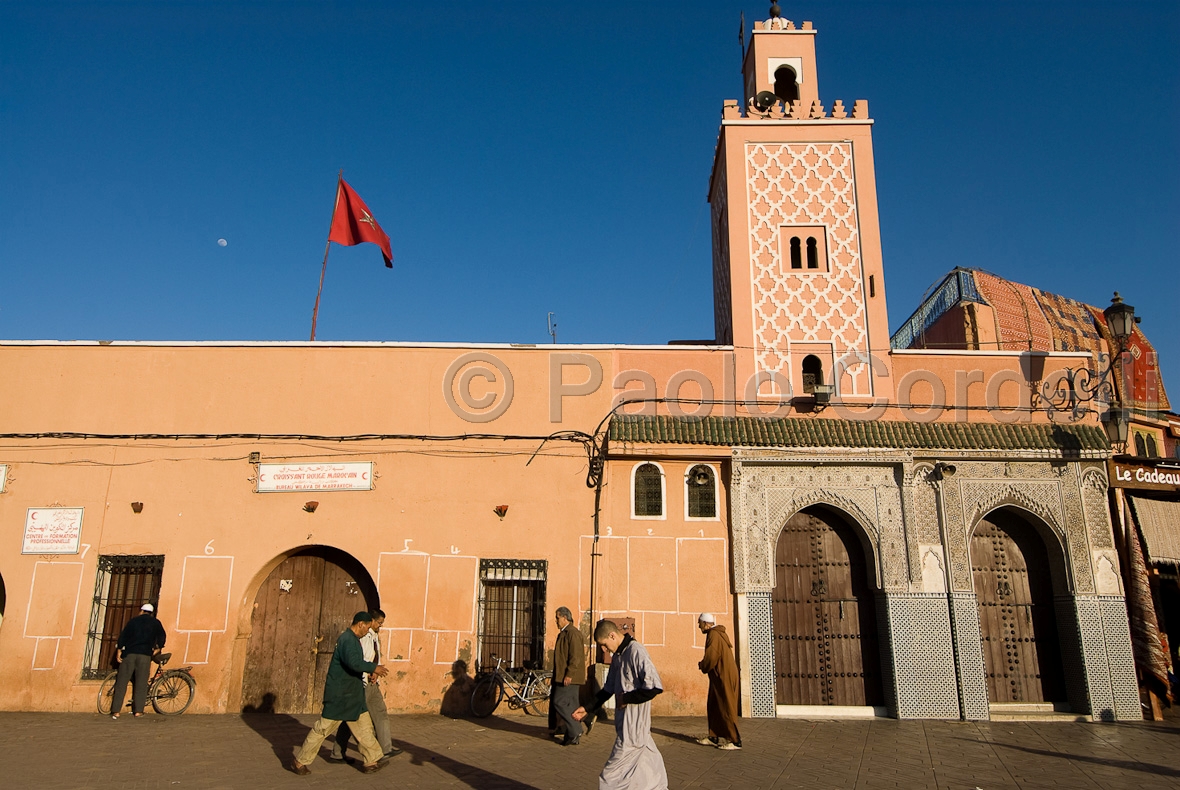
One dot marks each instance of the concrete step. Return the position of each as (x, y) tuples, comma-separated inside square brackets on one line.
[(1034, 711)]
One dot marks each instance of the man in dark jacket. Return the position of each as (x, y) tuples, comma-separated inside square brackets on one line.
[(569, 671), (138, 642), (344, 700)]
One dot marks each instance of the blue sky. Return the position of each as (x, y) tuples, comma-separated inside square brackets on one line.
[(528, 157)]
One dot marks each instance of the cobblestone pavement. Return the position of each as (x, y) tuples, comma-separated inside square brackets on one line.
[(45, 750)]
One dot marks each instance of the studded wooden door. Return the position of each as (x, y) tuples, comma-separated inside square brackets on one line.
[(300, 610), (825, 637), (1017, 623)]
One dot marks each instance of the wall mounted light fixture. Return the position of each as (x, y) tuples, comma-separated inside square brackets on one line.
[(137, 507), (310, 506), (501, 511)]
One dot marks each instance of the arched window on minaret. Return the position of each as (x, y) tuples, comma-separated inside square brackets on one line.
[(812, 255), (813, 373), (785, 86), (796, 254)]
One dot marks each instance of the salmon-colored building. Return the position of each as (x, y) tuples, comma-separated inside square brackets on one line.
[(885, 531)]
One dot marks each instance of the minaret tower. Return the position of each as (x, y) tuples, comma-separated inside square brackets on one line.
[(797, 273)]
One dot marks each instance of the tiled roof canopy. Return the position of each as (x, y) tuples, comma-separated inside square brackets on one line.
[(795, 432)]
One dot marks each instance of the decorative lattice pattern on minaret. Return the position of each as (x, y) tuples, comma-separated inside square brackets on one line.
[(806, 184)]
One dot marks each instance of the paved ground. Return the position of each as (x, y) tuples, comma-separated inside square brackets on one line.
[(44, 750)]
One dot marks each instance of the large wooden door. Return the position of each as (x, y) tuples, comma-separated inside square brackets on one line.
[(1018, 626), (300, 610), (825, 631)]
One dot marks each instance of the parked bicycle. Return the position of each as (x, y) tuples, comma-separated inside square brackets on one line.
[(170, 692), (526, 688)]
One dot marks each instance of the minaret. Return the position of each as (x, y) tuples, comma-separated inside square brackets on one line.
[(798, 283)]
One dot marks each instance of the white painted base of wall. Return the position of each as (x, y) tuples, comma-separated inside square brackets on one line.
[(831, 712)]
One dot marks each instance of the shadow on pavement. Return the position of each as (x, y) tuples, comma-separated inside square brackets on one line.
[(1128, 765), (284, 732), (678, 736), (538, 730), (467, 774)]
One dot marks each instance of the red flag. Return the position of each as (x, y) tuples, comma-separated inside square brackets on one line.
[(352, 223)]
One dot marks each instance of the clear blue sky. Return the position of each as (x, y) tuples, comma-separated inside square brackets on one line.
[(537, 156)]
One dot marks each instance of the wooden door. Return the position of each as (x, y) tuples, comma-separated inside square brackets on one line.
[(1018, 626), (300, 610), (825, 638)]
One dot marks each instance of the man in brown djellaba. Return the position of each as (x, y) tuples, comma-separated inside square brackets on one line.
[(722, 704)]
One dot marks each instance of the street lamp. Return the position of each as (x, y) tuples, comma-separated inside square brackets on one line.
[(1120, 320)]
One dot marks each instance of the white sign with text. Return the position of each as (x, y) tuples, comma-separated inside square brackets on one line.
[(53, 530), (315, 477)]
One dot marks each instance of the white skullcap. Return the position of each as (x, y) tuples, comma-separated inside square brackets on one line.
[(706, 617), (147, 607)]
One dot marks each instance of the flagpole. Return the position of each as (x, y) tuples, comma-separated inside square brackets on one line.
[(327, 247)]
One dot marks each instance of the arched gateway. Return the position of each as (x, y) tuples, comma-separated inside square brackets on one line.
[(299, 611), (825, 625), (1017, 622)]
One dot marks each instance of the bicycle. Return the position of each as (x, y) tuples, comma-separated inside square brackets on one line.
[(169, 692), (527, 688)]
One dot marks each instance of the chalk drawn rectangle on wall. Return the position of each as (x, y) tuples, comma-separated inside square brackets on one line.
[(452, 589), (401, 586), (273, 478), (204, 593), (45, 653), (53, 530), (53, 599), (196, 649)]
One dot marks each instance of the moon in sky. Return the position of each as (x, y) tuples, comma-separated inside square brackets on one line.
[(222, 242)]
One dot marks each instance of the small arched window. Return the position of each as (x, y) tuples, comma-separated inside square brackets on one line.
[(813, 373), (702, 492), (812, 255), (1140, 445), (785, 86), (1152, 450), (796, 253), (648, 493)]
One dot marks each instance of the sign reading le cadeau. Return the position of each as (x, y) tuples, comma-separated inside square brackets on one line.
[(315, 477), (53, 530), (1143, 477)]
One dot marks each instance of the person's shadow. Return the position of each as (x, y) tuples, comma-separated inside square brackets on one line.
[(282, 730)]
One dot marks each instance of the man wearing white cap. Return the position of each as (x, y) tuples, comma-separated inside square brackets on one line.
[(138, 642), (719, 665)]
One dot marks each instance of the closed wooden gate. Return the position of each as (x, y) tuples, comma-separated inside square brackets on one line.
[(300, 610), (1017, 623), (825, 628)]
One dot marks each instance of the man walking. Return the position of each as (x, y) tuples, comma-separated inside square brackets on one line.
[(138, 642), (344, 700), (374, 701), (722, 705), (635, 763), (569, 670)]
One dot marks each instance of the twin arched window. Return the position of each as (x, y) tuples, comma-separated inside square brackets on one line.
[(647, 492), (797, 253)]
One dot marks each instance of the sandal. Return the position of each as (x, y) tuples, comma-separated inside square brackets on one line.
[(115, 716), (138, 715)]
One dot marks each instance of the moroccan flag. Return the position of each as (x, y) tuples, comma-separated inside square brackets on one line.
[(353, 224)]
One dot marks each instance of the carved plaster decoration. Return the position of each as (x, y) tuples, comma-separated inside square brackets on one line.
[(1094, 487), (921, 521)]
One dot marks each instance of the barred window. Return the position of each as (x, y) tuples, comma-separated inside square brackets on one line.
[(648, 490), (702, 492), (125, 583), (512, 612), (813, 373)]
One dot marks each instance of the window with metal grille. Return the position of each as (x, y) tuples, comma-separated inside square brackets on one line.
[(512, 612), (702, 492), (125, 582), (648, 490), (813, 373)]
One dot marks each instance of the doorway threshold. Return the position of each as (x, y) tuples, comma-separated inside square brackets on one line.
[(831, 712), (1033, 711)]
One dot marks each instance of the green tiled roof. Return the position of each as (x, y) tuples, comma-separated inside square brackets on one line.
[(795, 432)]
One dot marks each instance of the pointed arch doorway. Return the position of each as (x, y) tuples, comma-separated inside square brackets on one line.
[(1017, 621), (300, 610), (825, 625)]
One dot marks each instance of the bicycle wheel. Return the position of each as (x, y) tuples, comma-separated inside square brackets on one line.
[(172, 693), (106, 693), (538, 703), (486, 697)]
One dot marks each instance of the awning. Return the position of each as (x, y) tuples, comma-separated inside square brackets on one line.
[(1159, 520)]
